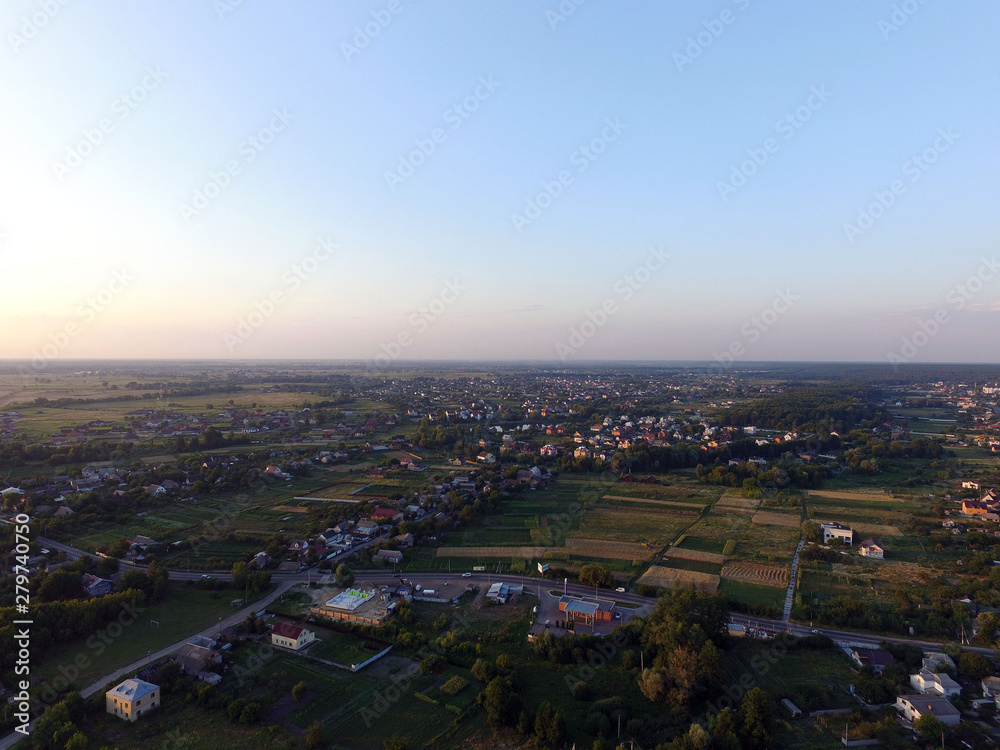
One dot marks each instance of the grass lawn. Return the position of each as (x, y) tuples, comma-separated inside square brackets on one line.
[(343, 648), (185, 611), (756, 598)]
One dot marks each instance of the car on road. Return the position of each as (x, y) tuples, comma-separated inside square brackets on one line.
[(620, 589), (466, 575), (618, 615), (205, 577)]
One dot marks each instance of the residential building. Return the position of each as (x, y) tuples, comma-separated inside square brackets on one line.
[(390, 555), (96, 586), (833, 531), (194, 658), (874, 658), (868, 548), (915, 706), (294, 637), (934, 661), (991, 687), (131, 699), (925, 681)]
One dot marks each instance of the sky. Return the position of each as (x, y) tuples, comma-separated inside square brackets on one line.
[(557, 181)]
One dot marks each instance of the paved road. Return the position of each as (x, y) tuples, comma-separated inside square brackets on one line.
[(786, 614)]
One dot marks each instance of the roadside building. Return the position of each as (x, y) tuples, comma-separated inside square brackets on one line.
[(130, 699)]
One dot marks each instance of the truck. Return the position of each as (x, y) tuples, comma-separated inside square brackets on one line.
[(429, 592)]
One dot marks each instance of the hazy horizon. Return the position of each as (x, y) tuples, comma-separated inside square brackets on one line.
[(565, 182)]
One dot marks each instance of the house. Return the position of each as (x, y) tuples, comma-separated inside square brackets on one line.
[(934, 661), (131, 699), (294, 637), (386, 515), (390, 555), (991, 687), (581, 452), (194, 658), (298, 545), (486, 458), (366, 528), (405, 540), (96, 586), (549, 451), (868, 548), (833, 531), (925, 681), (969, 485), (262, 559), (975, 508), (874, 658), (915, 706), (63, 511)]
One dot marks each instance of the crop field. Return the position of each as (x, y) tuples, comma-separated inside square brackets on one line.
[(720, 528), (669, 503), (656, 528), (728, 501), (667, 578), (608, 549), (694, 554), (525, 552), (773, 518), (765, 600), (696, 543), (756, 573), (701, 566), (768, 543), (726, 510)]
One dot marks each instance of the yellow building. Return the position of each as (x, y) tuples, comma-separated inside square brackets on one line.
[(132, 698)]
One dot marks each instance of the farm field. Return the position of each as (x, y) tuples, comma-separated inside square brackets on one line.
[(756, 574), (667, 578)]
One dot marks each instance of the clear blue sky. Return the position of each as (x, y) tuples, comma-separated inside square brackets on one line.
[(694, 91)]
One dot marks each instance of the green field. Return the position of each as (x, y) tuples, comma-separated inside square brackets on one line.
[(186, 611)]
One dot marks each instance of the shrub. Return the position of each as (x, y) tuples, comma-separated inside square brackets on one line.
[(455, 685)]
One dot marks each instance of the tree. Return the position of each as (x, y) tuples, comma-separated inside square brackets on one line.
[(344, 575), (758, 718), (501, 702), (314, 735), (77, 742), (989, 625), (299, 691), (930, 726), (974, 666), (594, 574), (240, 572)]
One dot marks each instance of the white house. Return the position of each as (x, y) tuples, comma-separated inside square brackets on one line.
[(294, 637), (915, 706), (837, 531), (926, 681), (868, 548)]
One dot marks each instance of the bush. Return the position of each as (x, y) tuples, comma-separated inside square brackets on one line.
[(455, 685), (597, 724)]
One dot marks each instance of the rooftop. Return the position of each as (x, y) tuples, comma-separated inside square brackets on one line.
[(132, 690)]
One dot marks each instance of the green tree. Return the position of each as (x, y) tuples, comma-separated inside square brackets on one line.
[(974, 666), (343, 575), (757, 714), (930, 727), (314, 735), (594, 574), (78, 741), (299, 691), (501, 702)]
